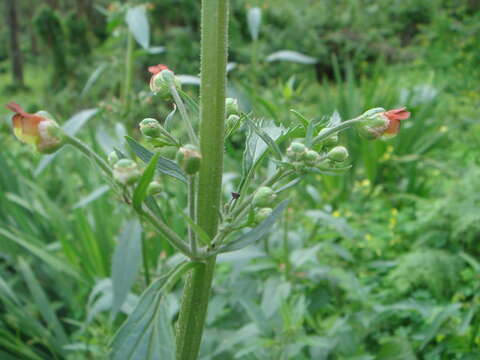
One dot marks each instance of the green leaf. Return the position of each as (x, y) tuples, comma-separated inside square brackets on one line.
[(291, 56), (254, 19), (202, 235), (93, 78), (126, 262), (94, 195), (147, 334), (256, 233), (53, 261), (141, 190), (266, 138), (164, 165), (44, 306), (303, 120), (138, 25)]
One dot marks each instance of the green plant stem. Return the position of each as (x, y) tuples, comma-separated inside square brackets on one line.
[(174, 239), (145, 262), (127, 87), (79, 145), (191, 212), (340, 127), (214, 25), (183, 113)]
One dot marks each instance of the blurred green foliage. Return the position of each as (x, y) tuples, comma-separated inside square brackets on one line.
[(379, 263)]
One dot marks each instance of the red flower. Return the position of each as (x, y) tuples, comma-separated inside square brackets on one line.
[(35, 129), (156, 69), (395, 116), (25, 125)]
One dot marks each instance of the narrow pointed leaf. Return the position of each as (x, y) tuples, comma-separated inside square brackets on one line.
[(164, 165), (126, 263), (256, 233), (140, 192)]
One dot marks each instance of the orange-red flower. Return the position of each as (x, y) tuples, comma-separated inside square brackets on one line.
[(25, 125), (377, 122), (395, 116), (155, 69), (36, 129), (162, 79)]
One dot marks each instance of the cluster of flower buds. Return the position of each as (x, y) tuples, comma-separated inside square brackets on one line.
[(263, 200), (379, 123), (39, 129), (302, 156), (162, 80)]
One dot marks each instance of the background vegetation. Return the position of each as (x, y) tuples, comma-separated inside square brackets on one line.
[(381, 263)]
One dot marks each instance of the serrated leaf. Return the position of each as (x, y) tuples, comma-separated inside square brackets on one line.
[(141, 190), (126, 262), (138, 25), (164, 165), (291, 56), (254, 19), (256, 233)]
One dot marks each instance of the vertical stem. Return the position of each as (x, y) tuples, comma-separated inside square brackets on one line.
[(145, 261), (127, 87), (212, 117), (191, 212)]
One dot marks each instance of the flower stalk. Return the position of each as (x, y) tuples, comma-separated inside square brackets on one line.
[(214, 28)]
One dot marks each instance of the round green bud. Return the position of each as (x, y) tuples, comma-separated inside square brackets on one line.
[(332, 140), (112, 158), (231, 121), (296, 150), (338, 153), (126, 172), (189, 159), (150, 127), (231, 107), (154, 188), (373, 124), (262, 214), (160, 83), (311, 156), (51, 137), (264, 197)]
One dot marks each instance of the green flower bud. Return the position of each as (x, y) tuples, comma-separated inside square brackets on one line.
[(338, 153), (264, 197), (262, 214), (160, 83), (51, 137), (231, 121), (311, 156), (373, 124), (126, 172), (112, 158), (150, 127), (231, 107), (189, 159), (154, 188), (332, 140), (296, 150)]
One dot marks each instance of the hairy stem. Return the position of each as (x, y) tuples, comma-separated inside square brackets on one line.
[(191, 212), (79, 145), (183, 113), (212, 117)]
